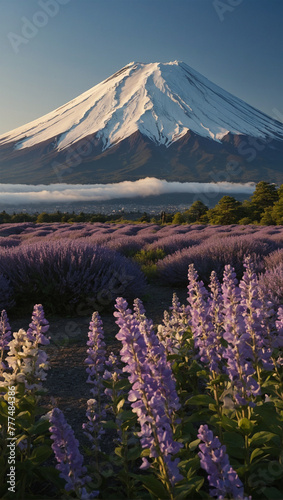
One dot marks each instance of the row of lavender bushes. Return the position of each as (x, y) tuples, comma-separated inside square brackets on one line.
[(66, 265), (192, 409), (65, 275)]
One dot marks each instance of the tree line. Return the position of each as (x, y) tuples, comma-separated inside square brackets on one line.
[(265, 207)]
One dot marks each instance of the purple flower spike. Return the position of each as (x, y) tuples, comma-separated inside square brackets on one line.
[(238, 353), (38, 326), (279, 324), (96, 352), (5, 338), (254, 317), (95, 361), (203, 314), (153, 395), (5, 331), (68, 456), (223, 480)]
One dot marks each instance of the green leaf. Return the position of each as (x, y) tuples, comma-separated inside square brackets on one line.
[(246, 426), (119, 451), (192, 464), (258, 452), (155, 487), (21, 438), (3, 408), (20, 391), (41, 454), (194, 444), (234, 439), (126, 415), (145, 452), (197, 482), (264, 437), (122, 384), (40, 427), (110, 424), (24, 420), (228, 423), (134, 453), (235, 444), (201, 400)]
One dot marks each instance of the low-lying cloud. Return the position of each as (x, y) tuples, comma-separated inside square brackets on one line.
[(13, 194)]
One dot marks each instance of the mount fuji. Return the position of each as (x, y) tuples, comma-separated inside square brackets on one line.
[(161, 120)]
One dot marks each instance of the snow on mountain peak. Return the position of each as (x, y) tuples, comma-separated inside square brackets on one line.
[(161, 100)]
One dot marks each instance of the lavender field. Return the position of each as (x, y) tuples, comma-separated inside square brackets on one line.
[(190, 408), (63, 265)]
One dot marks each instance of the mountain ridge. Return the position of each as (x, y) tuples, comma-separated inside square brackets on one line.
[(145, 108)]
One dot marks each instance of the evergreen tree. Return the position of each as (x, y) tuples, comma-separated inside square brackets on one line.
[(178, 218), (265, 195), (227, 211), (196, 211)]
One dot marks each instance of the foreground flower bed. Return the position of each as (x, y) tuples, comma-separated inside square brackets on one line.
[(192, 409)]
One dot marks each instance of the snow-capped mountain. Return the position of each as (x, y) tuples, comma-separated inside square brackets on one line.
[(144, 114)]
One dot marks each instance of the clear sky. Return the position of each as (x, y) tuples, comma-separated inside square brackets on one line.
[(46, 59)]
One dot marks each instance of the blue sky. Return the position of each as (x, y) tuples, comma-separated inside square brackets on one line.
[(239, 46)]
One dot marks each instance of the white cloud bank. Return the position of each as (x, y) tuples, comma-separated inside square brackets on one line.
[(12, 194)]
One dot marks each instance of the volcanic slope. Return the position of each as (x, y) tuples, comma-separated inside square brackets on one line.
[(163, 120)]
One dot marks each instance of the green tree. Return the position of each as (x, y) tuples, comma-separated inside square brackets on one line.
[(178, 218), (4, 217), (43, 217), (267, 217), (227, 211), (196, 211), (265, 195), (277, 211), (144, 218)]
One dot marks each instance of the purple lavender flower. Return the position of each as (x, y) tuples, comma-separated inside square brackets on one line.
[(279, 322), (238, 352), (254, 317), (68, 456), (95, 361), (148, 388), (38, 326), (202, 317), (223, 480), (96, 352), (5, 338)]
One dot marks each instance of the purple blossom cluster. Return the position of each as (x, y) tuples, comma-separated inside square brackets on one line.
[(68, 456), (204, 314), (238, 353), (5, 338), (153, 395), (95, 362), (224, 482), (239, 315), (38, 326)]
